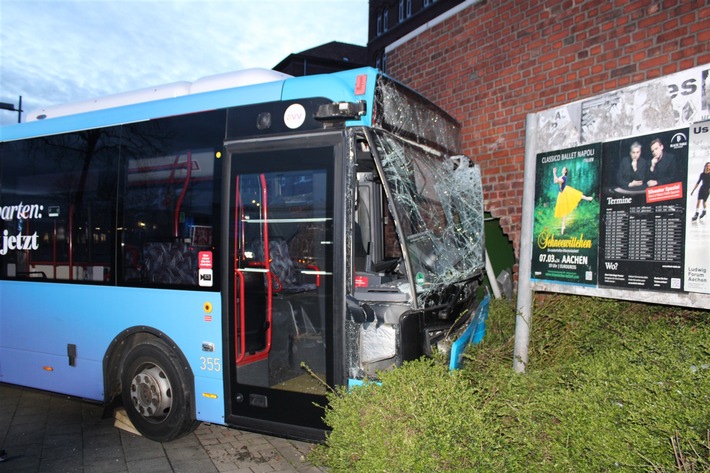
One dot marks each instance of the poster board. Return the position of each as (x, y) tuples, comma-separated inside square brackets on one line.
[(640, 242), (618, 180)]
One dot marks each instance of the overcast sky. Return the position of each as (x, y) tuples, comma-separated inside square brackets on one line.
[(58, 51)]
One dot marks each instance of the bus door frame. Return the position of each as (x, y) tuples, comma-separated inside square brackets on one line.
[(335, 323)]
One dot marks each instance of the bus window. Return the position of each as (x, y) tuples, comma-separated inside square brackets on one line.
[(59, 192), (169, 198)]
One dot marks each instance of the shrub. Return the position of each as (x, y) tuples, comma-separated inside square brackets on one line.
[(612, 386), (397, 426)]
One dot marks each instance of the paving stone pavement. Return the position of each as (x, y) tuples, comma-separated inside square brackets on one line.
[(49, 433)]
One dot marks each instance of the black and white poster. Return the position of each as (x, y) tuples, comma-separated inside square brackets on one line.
[(643, 211)]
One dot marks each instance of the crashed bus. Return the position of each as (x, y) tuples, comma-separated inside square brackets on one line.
[(228, 249)]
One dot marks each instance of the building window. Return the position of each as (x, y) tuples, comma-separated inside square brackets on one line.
[(386, 20), (409, 8), (427, 3), (379, 23), (401, 11)]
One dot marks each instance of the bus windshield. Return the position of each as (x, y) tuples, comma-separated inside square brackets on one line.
[(437, 200), (435, 191)]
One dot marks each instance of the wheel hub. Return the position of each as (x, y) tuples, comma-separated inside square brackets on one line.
[(151, 393)]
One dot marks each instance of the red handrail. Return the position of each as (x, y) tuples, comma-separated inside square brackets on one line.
[(240, 321), (267, 259), (315, 268), (178, 204), (239, 317)]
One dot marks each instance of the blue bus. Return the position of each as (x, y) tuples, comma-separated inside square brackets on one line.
[(228, 250)]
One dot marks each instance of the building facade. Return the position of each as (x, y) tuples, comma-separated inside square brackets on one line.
[(390, 20), (490, 64)]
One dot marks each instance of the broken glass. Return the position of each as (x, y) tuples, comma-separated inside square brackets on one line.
[(438, 202)]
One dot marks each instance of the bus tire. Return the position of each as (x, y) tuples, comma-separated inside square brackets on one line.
[(156, 391)]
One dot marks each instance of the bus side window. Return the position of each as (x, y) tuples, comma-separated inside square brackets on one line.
[(168, 198), (63, 190)]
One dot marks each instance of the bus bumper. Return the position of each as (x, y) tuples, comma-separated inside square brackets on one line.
[(472, 334)]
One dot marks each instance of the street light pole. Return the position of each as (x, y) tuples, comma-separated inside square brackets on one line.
[(11, 107)]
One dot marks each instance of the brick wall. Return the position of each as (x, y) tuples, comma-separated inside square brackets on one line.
[(495, 62)]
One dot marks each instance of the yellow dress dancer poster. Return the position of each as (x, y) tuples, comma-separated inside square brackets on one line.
[(566, 221), (568, 197)]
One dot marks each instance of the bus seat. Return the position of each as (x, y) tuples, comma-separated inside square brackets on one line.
[(284, 268), (170, 263), (132, 264)]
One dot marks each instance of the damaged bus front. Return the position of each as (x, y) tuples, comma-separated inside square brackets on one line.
[(417, 246)]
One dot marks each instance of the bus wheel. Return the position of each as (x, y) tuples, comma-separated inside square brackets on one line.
[(156, 392)]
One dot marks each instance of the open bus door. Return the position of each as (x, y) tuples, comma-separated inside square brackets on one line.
[(282, 290)]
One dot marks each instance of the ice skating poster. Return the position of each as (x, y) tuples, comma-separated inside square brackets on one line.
[(643, 211), (566, 220), (697, 221)]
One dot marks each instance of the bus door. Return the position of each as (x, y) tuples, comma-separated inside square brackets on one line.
[(281, 287)]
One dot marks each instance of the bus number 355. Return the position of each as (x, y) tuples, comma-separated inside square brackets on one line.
[(207, 363)]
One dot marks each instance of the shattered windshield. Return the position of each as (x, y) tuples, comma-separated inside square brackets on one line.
[(408, 115), (438, 203)]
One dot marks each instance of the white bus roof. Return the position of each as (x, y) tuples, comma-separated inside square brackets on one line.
[(175, 89)]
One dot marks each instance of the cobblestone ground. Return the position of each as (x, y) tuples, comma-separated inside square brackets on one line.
[(234, 451), (50, 433)]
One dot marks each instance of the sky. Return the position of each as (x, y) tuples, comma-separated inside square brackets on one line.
[(60, 51)]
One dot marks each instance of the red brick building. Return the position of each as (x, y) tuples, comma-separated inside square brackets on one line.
[(489, 64)]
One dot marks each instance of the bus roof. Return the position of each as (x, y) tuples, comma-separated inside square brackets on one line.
[(231, 89)]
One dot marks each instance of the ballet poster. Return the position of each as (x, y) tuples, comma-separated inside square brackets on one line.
[(697, 221), (643, 211), (566, 221)]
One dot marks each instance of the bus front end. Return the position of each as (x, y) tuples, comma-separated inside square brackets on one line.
[(417, 241)]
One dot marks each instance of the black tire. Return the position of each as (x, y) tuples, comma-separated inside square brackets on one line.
[(156, 391)]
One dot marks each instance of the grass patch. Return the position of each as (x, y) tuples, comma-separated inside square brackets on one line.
[(611, 386)]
